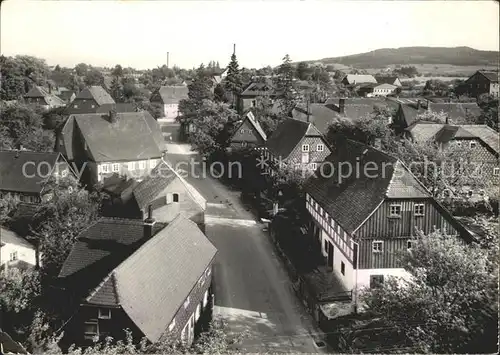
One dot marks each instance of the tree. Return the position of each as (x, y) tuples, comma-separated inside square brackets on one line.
[(116, 89), (81, 69), (233, 82), (450, 303), (489, 110), (117, 71), (22, 125), (59, 219), (303, 71), (54, 118), (19, 74), (285, 87), (93, 77), (212, 127)]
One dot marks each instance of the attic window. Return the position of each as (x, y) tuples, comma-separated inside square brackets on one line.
[(305, 147), (104, 313), (13, 256), (377, 246), (320, 147), (496, 171), (176, 197), (472, 145)]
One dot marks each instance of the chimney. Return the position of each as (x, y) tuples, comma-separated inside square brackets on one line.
[(234, 48), (447, 121), (341, 106), (50, 88), (418, 104), (149, 224), (112, 116), (428, 105)]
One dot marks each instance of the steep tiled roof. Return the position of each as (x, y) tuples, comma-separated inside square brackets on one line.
[(40, 92), (170, 94), (9, 346), (382, 79), (153, 283), (352, 199), (12, 163), (355, 108), (359, 78), (255, 124), (66, 95), (490, 75), (287, 135), (321, 115), (453, 110), (424, 131), (486, 134), (259, 88), (9, 237), (106, 237), (97, 93), (134, 136), (147, 190)]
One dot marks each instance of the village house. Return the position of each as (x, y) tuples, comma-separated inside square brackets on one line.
[(409, 110), (169, 97), (23, 174), (67, 95), (15, 251), (129, 143), (296, 145), (365, 207), (164, 189), (129, 274), (479, 144), (354, 79), (391, 80), (120, 107), (253, 91), (376, 89), (248, 133), (89, 99), (481, 82), (43, 98)]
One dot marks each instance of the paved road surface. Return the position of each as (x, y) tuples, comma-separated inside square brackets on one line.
[(252, 290)]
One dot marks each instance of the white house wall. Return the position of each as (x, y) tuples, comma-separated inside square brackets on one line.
[(364, 275), (23, 253)]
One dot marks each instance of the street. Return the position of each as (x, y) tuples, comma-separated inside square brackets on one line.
[(252, 289)]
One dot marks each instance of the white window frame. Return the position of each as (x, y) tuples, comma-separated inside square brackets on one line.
[(496, 171), (242, 131), (419, 205), (377, 243), (320, 147), (394, 215), (472, 145), (305, 148), (13, 256), (115, 167), (105, 168), (314, 166), (101, 315), (142, 164)]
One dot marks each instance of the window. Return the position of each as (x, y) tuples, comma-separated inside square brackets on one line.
[(91, 329), (131, 166), (342, 268), (171, 325), (92, 106), (408, 244), (469, 193), (104, 313), (142, 164), (305, 147), (320, 147), (152, 163), (377, 246), (472, 145), (75, 106), (242, 131), (313, 166), (116, 167), (175, 197), (243, 144), (459, 144), (419, 209), (395, 210), (376, 281), (13, 256), (105, 168), (186, 302), (481, 193), (496, 171)]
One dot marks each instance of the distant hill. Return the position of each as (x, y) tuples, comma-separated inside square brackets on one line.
[(416, 55)]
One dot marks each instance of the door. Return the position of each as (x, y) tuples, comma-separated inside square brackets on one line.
[(330, 254)]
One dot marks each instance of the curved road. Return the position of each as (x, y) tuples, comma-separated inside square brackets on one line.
[(252, 289)]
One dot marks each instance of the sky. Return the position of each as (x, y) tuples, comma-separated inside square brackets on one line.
[(140, 33)]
